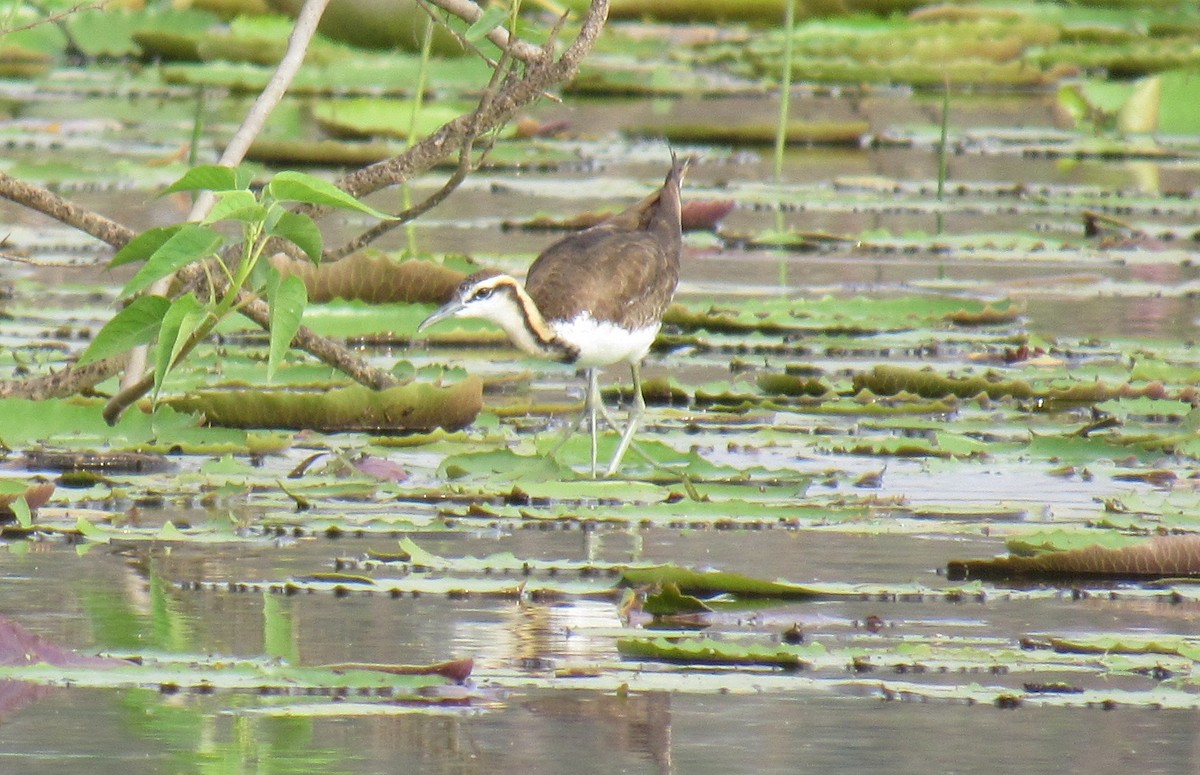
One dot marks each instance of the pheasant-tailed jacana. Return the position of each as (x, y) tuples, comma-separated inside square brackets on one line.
[(594, 298)]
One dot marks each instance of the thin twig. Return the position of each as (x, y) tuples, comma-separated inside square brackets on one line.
[(57, 17), (34, 262), (464, 168)]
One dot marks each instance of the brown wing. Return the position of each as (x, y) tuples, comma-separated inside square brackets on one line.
[(625, 277), (623, 269)]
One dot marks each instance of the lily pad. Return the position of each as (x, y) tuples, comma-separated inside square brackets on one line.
[(1160, 557), (417, 406)]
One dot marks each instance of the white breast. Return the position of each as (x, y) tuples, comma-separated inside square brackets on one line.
[(601, 343)]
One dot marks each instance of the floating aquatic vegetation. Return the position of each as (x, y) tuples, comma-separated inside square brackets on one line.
[(1161, 557), (419, 406), (374, 278), (77, 424)]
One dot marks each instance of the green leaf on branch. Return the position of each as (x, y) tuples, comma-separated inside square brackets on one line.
[(302, 231), (236, 206), (192, 242), (291, 186), (287, 301), (185, 316), (143, 245), (211, 177), (488, 21), (133, 326)]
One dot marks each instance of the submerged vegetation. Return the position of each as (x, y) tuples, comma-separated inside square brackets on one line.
[(953, 319)]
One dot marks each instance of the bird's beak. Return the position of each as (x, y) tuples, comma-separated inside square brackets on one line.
[(447, 310)]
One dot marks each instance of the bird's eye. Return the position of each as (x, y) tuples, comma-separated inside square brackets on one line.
[(481, 294)]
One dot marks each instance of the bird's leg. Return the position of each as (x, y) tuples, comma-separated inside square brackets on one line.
[(590, 405), (609, 420), (636, 410), (587, 415)]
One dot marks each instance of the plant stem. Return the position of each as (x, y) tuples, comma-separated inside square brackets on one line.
[(942, 157), (410, 229), (781, 126), (785, 88)]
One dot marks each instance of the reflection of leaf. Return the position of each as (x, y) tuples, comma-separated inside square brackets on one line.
[(458, 670), (1159, 557), (888, 380), (990, 315), (763, 133)]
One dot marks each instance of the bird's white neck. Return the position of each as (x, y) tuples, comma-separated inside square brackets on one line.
[(527, 329)]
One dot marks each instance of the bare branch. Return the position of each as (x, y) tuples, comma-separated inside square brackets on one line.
[(65, 382), (38, 198)]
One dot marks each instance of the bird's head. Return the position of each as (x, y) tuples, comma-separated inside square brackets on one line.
[(488, 295)]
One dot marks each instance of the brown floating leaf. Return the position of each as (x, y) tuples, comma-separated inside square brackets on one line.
[(990, 315), (458, 670), (1160, 557), (417, 406), (349, 153), (704, 214), (798, 133), (95, 460), (548, 223), (20, 62), (530, 127), (374, 278), (35, 497)]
